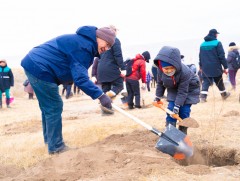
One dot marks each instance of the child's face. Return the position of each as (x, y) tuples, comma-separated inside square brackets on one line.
[(169, 70)]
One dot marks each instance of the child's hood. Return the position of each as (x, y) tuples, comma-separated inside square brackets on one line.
[(170, 55)]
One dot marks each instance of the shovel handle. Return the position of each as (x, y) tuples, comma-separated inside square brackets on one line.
[(150, 128), (176, 116)]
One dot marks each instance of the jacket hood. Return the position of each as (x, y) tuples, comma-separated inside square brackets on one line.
[(170, 55), (88, 31), (210, 37), (231, 48)]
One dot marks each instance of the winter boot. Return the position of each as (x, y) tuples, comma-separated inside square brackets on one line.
[(183, 129), (111, 94), (203, 98), (225, 95), (8, 102), (0, 103)]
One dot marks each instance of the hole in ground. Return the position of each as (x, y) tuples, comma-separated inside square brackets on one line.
[(212, 156)]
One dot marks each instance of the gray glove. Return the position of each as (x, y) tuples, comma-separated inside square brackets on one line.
[(105, 101)]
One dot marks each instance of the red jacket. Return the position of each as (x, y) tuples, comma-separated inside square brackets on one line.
[(138, 69)]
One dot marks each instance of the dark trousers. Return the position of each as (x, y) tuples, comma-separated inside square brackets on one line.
[(232, 77), (115, 86), (208, 81), (133, 90)]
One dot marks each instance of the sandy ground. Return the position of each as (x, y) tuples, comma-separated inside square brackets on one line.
[(115, 147)]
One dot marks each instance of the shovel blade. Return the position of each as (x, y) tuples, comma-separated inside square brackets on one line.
[(189, 122), (179, 148)]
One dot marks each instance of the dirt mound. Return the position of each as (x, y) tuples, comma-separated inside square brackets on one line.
[(133, 154)]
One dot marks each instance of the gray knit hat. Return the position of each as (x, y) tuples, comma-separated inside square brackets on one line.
[(106, 34)]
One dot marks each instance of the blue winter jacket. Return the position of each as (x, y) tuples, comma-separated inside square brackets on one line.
[(6, 78), (212, 57), (110, 63), (184, 86), (66, 59)]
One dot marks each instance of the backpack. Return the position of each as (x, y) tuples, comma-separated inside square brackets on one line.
[(236, 62), (128, 65), (193, 68)]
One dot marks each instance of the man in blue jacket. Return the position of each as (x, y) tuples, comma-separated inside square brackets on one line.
[(63, 60), (211, 60)]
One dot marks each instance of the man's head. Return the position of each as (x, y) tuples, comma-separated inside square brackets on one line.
[(146, 56), (213, 32), (105, 39)]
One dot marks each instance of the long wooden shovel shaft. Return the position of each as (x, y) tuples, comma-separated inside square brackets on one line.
[(150, 128)]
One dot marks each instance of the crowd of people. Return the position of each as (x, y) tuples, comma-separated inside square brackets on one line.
[(66, 59)]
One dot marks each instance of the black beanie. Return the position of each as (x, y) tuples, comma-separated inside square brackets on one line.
[(146, 56), (232, 44)]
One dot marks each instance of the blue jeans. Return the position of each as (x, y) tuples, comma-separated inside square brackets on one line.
[(184, 112), (51, 106)]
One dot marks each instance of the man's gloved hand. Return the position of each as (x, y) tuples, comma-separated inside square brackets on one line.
[(105, 101), (176, 109), (123, 72), (94, 79)]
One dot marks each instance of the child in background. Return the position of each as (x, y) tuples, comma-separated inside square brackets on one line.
[(149, 78), (6, 81), (183, 87)]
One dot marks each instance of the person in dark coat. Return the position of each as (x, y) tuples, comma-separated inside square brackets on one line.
[(6, 81), (132, 81), (95, 72), (65, 59), (232, 56), (28, 88), (183, 86), (211, 60), (111, 69)]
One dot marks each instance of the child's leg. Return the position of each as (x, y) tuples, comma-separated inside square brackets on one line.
[(7, 93), (0, 99), (184, 112)]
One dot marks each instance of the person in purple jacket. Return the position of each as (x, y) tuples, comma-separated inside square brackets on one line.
[(182, 85), (61, 60)]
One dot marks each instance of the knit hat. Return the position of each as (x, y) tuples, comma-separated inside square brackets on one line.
[(3, 60), (146, 56), (213, 32), (165, 64), (232, 44), (106, 34)]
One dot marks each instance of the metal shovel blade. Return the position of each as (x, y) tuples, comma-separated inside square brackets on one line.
[(189, 122), (180, 149)]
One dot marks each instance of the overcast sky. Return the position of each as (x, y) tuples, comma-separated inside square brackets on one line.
[(27, 23)]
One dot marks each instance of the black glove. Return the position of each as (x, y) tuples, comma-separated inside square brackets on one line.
[(157, 99), (176, 109), (105, 101)]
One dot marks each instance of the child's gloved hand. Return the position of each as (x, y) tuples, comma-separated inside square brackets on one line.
[(176, 109), (158, 100)]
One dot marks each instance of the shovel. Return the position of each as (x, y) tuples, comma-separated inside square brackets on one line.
[(187, 122), (171, 141)]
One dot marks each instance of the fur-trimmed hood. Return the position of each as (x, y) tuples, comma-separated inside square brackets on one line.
[(231, 48)]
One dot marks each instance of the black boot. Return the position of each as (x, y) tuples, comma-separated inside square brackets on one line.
[(30, 96), (183, 129), (0, 103), (225, 95), (8, 102)]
